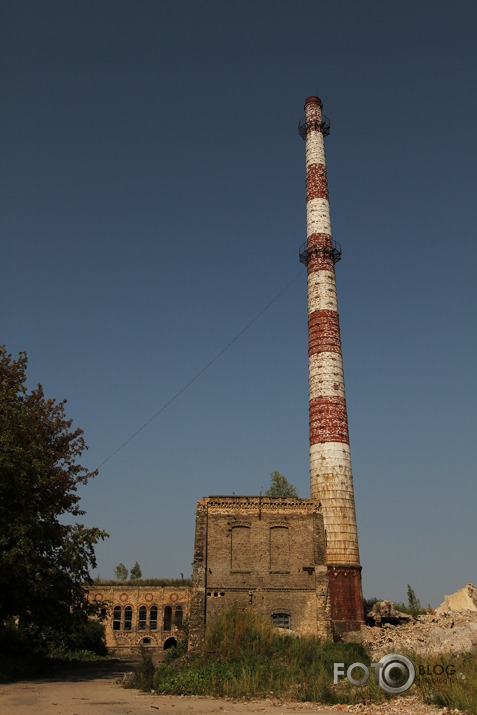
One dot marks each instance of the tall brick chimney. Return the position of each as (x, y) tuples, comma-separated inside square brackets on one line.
[(330, 464)]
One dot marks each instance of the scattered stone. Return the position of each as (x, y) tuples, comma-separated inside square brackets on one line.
[(384, 613), (463, 600), (427, 634)]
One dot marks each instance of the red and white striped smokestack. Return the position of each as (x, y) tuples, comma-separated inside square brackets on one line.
[(330, 463)]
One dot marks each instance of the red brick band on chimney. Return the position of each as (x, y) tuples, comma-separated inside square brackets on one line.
[(328, 420), (316, 182), (320, 252), (324, 332)]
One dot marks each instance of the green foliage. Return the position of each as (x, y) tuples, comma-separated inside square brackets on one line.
[(84, 634), (144, 674), (182, 643), (411, 611), (24, 653), (135, 573), (368, 603), (413, 608), (413, 601), (44, 558), (280, 486), (150, 582), (455, 689), (121, 572), (245, 656)]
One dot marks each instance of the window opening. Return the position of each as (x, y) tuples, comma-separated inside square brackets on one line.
[(142, 618), (167, 618), (117, 618), (282, 620)]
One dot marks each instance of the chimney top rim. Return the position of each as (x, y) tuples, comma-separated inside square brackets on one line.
[(314, 100)]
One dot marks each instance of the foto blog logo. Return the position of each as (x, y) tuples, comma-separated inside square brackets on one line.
[(394, 673)]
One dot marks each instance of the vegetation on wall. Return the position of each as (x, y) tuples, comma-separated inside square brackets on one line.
[(280, 486), (136, 573), (158, 582)]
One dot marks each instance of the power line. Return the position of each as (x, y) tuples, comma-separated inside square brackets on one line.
[(204, 369)]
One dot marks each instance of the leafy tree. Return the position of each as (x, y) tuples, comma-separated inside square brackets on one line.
[(136, 572), (45, 557), (121, 572), (280, 486), (413, 601)]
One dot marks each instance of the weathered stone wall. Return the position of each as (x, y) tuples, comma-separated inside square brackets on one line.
[(124, 634), (261, 553)]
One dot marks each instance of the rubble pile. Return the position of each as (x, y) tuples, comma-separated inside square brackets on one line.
[(384, 612), (452, 628), (463, 600)]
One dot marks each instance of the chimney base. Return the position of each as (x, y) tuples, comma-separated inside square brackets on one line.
[(346, 597)]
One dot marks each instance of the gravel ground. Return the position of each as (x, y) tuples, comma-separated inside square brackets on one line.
[(96, 689)]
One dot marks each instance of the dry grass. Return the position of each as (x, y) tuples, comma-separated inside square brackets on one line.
[(448, 681)]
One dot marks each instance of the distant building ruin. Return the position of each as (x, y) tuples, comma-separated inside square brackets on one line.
[(149, 616)]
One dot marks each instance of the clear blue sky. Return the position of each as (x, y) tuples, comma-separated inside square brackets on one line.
[(153, 203)]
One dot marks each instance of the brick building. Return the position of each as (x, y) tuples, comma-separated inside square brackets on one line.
[(142, 615), (262, 553)]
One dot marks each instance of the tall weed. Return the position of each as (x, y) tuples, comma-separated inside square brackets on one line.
[(448, 681), (245, 656)]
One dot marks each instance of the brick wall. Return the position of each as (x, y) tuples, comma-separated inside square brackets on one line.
[(346, 599), (124, 634), (261, 553)]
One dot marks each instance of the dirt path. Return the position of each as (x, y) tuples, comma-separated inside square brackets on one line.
[(96, 690)]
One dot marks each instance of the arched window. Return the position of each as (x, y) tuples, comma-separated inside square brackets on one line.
[(167, 618), (141, 625), (128, 618), (178, 616), (153, 618), (117, 618), (282, 620)]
